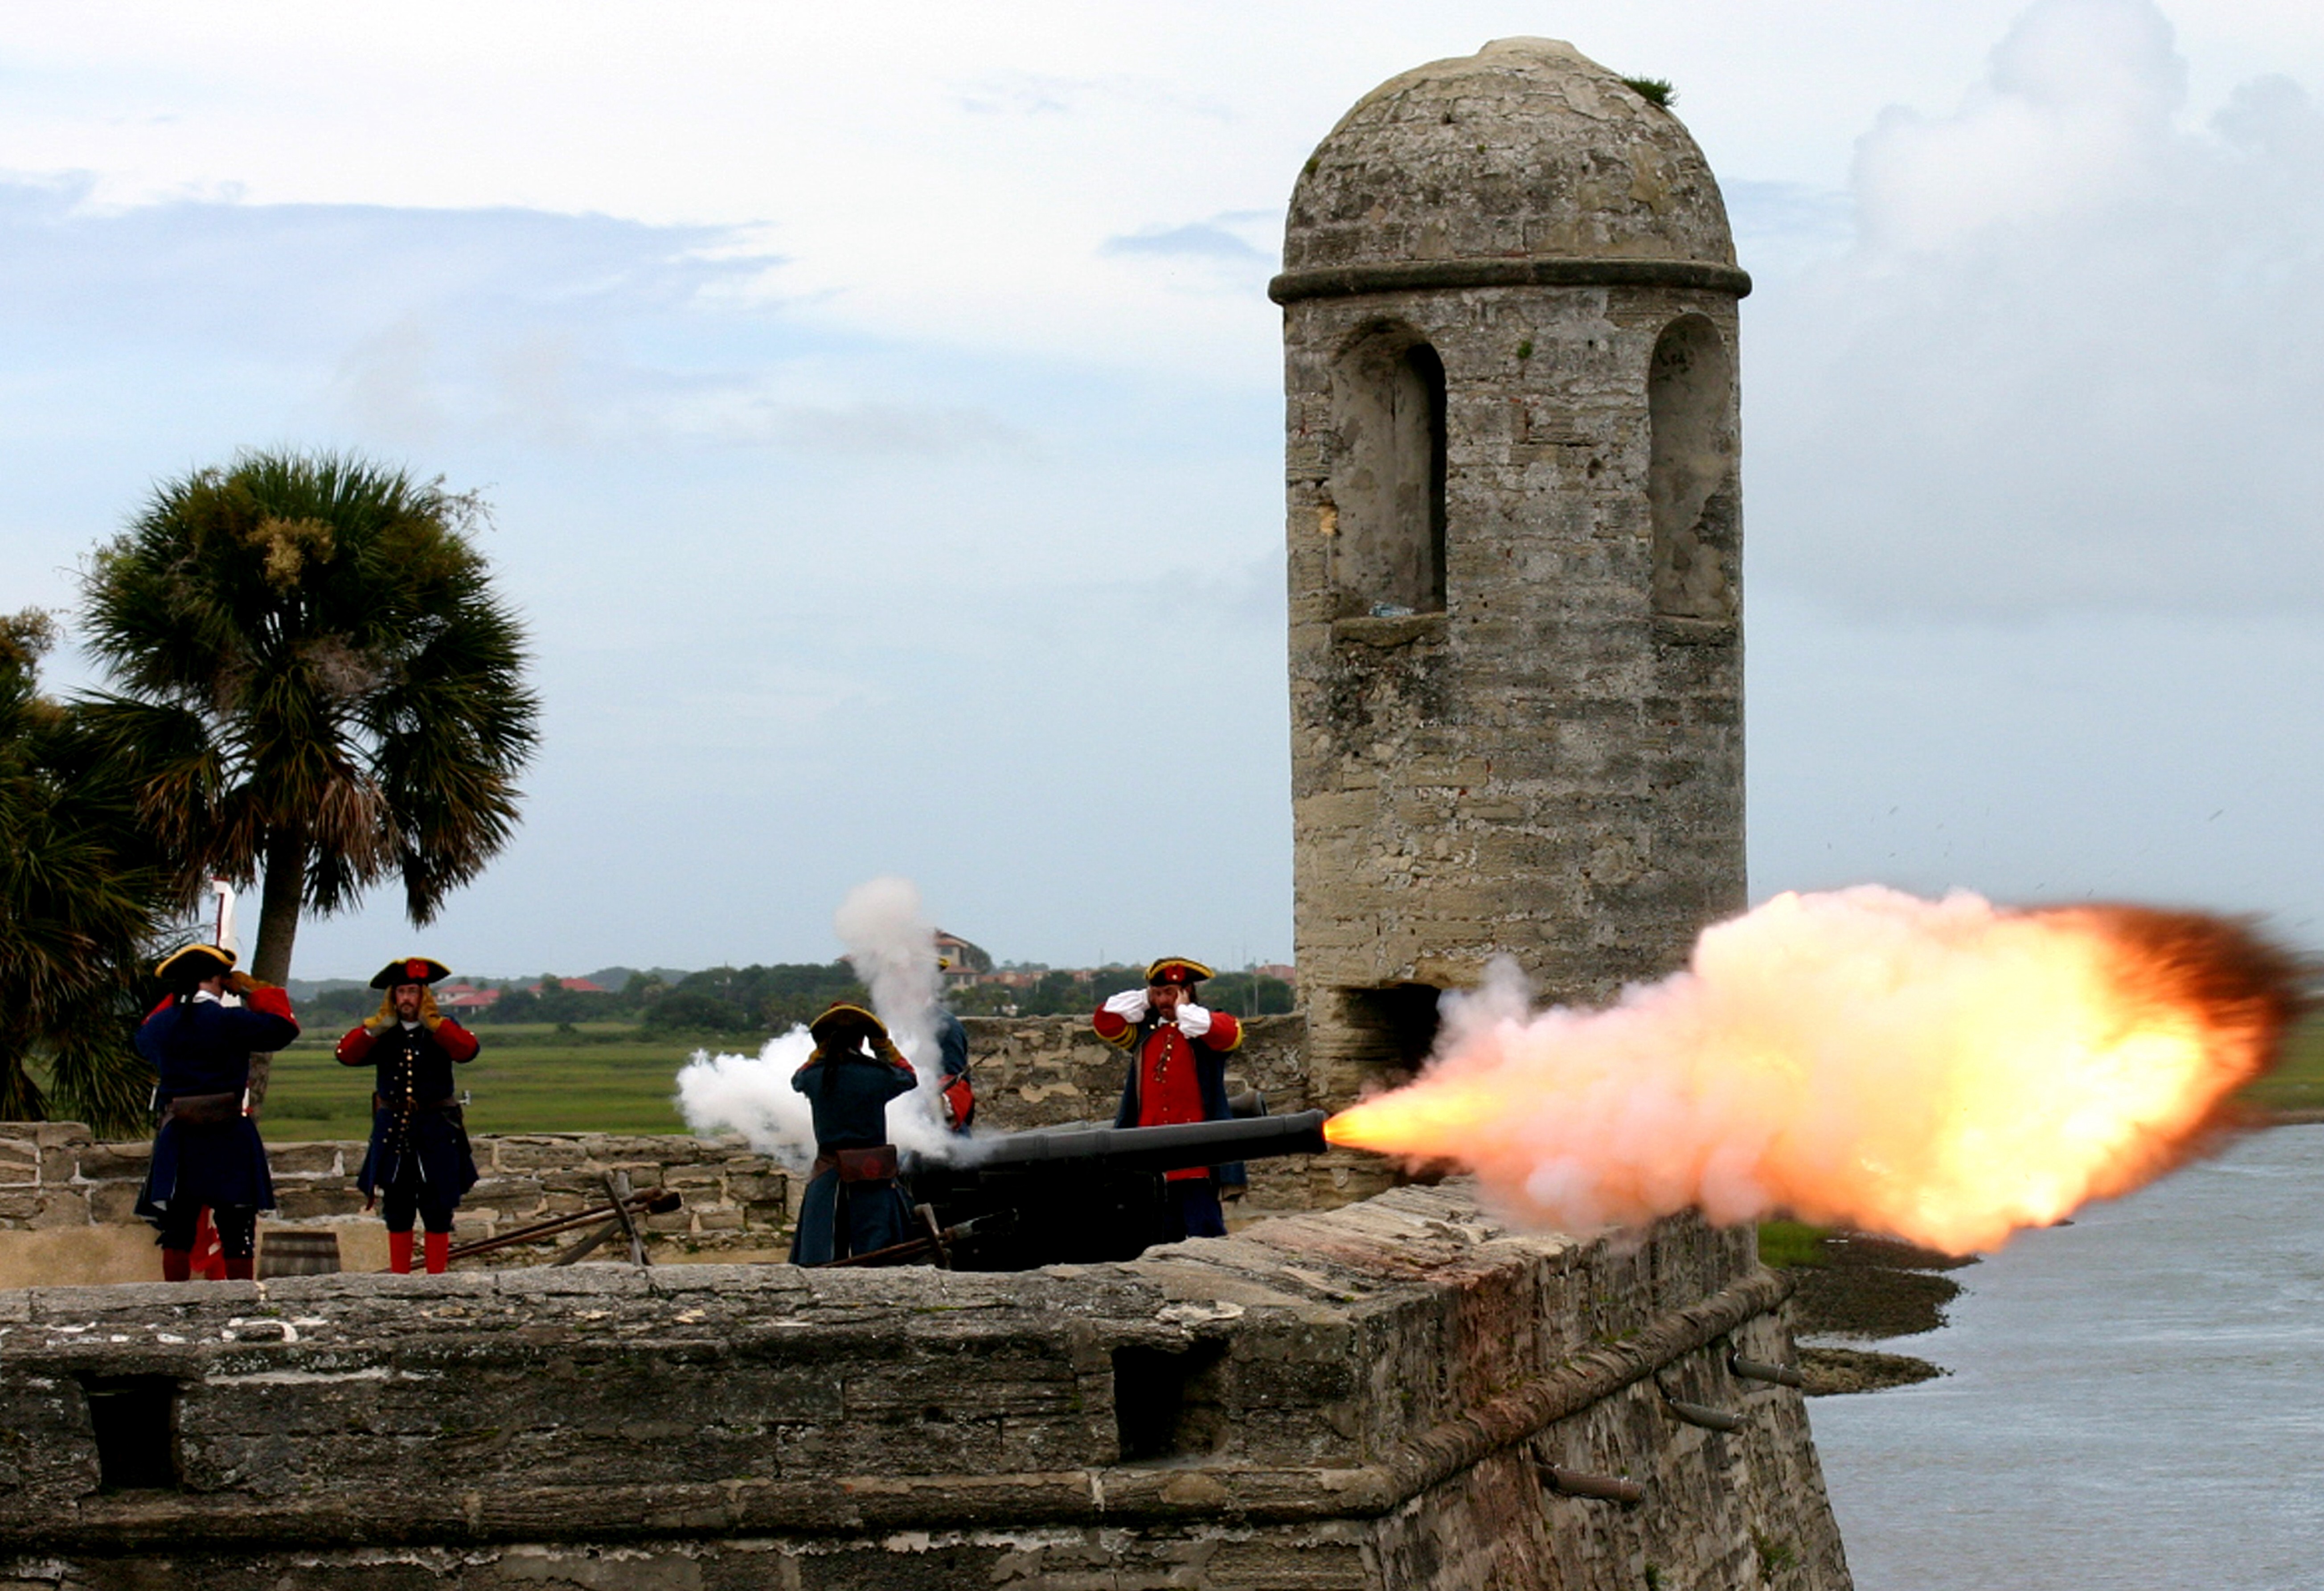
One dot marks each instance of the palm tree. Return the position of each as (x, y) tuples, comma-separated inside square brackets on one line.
[(310, 665), (85, 893)]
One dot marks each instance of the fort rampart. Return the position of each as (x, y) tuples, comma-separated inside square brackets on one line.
[(1376, 1396)]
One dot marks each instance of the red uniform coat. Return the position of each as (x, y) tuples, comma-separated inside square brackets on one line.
[(1172, 1078)]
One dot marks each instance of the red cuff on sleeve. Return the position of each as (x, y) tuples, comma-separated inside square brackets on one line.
[(272, 999), (1111, 1025), (355, 1045), (1225, 1032), (458, 1042)]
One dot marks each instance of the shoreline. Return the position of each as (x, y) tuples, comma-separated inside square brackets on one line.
[(1861, 1289)]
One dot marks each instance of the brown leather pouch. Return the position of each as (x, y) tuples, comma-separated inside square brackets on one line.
[(203, 1110), (876, 1164)]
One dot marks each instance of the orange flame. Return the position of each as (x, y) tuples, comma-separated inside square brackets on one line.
[(1945, 1071)]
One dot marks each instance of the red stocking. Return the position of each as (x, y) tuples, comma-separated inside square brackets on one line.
[(177, 1264), (399, 1252), (440, 1253), (208, 1262), (242, 1270)]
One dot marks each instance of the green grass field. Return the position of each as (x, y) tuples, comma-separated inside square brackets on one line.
[(600, 1078), (2299, 1083)]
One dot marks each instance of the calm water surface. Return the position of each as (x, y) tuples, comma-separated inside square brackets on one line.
[(2136, 1401)]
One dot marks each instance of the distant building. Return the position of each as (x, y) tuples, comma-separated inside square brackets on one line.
[(964, 963)]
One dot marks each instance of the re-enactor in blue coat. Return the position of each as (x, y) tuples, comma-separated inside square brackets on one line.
[(207, 1152), (956, 1090), (853, 1204)]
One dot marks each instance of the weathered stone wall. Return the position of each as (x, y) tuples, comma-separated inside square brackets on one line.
[(1550, 767), (54, 1177), (1043, 1072), (1363, 1398)]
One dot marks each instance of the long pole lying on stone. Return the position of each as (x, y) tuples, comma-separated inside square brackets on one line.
[(659, 1201), (937, 1242)]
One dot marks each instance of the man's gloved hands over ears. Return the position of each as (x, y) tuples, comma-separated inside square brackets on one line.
[(1129, 1005), (1194, 1020)]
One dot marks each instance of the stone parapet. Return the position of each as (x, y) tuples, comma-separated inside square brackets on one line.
[(1372, 1397)]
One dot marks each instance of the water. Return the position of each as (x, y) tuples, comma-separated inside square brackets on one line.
[(2136, 1402)]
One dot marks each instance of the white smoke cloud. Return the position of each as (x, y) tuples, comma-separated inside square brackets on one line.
[(892, 948), (2069, 359), (752, 1095)]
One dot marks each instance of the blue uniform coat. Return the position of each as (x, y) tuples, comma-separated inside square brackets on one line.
[(411, 1122), (200, 1045), (952, 1058), (850, 1094)]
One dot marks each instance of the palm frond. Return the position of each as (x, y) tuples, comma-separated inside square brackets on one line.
[(323, 671)]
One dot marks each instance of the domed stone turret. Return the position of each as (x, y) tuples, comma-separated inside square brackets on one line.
[(1515, 548), (1526, 151)]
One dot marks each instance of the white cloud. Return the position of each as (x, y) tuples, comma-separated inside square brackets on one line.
[(882, 415), (2066, 364), (1201, 239)]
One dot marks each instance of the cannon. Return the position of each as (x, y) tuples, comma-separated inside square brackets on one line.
[(1074, 1195)]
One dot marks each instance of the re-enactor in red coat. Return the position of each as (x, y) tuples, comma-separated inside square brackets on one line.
[(418, 1164), (1177, 1073)]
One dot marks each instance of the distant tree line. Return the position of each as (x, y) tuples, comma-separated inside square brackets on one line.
[(718, 1000), (773, 999), (746, 999), (1078, 993)]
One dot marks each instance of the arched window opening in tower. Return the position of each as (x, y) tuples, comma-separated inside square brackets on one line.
[(1388, 483), (1690, 477)]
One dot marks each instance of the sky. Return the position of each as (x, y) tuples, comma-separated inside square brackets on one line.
[(880, 411)]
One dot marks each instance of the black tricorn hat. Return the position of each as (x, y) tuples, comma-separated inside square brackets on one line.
[(410, 969), (843, 1020), (1177, 969), (191, 964)]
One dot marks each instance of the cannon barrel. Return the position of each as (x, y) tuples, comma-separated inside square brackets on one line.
[(1156, 1149), (1086, 1195)]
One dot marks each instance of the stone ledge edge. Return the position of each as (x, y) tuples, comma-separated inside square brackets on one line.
[(1328, 281)]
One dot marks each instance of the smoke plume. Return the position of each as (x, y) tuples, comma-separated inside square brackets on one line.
[(892, 948), (1946, 1072)]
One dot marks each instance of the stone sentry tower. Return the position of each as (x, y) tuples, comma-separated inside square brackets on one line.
[(1516, 675)]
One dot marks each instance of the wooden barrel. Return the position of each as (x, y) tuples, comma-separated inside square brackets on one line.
[(297, 1254)]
